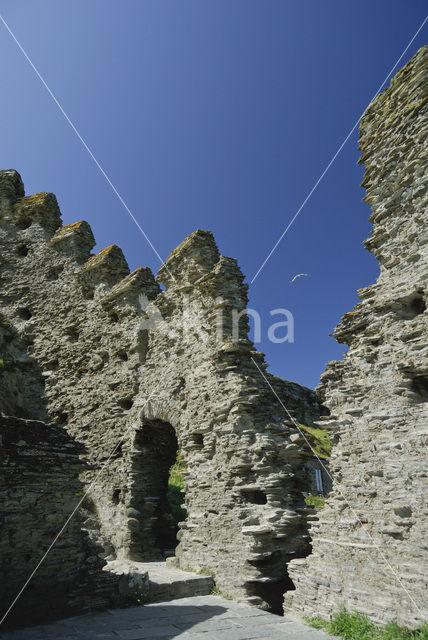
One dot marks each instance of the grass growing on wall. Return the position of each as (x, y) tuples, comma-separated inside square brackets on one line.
[(175, 493), (9, 331), (6, 363), (318, 439), (7, 334), (315, 501), (355, 626)]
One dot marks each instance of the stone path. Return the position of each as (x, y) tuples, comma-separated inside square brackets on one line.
[(195, 618)]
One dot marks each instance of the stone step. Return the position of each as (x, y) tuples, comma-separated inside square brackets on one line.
[(157, 580), (167, 582)]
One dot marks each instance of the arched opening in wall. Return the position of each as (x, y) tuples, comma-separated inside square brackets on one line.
[(157, 492)]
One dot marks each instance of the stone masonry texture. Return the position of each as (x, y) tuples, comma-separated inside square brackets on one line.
[(39, 468), (132, 373), (370, 541)]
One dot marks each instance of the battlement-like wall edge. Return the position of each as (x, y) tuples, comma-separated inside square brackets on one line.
[(133, 372)]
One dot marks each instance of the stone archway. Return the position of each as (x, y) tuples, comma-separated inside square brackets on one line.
[(152, 526)]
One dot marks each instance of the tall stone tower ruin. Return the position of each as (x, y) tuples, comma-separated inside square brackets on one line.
[(369, 543)]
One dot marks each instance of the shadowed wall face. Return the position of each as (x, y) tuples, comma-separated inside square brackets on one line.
[(368, 553), (154, 453), (39, 489)]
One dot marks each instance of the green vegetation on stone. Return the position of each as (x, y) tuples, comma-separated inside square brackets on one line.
[(6, 363), (215, 591), (175, 492), (318, 439), (315, 501), (355, 626), (4, 322), (10, 332)]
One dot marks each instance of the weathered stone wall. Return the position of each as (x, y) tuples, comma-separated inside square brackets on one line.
[(369, 544), (21, 380), (39, 468), (117, 383)]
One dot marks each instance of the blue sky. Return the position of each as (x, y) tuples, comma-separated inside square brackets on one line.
[(217, 115)]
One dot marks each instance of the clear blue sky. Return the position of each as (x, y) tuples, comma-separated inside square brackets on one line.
[(217, 115)]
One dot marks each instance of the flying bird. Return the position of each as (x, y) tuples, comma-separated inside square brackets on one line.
[(299, 275)]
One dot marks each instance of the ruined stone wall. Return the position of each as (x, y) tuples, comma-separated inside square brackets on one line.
[(39, 468), (133, 372), (21, 380), (369, 544)]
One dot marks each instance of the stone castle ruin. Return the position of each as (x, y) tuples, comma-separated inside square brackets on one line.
[(131, 396), (105, 376), (369, 544)]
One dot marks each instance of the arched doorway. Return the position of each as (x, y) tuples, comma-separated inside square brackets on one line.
[(153, 508)]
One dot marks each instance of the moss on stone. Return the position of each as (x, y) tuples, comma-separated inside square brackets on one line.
[(315, 501), (36, 198), (318, 439), (74, 226), (101, 257), (175, 493), (5, 324), (6, 364)]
